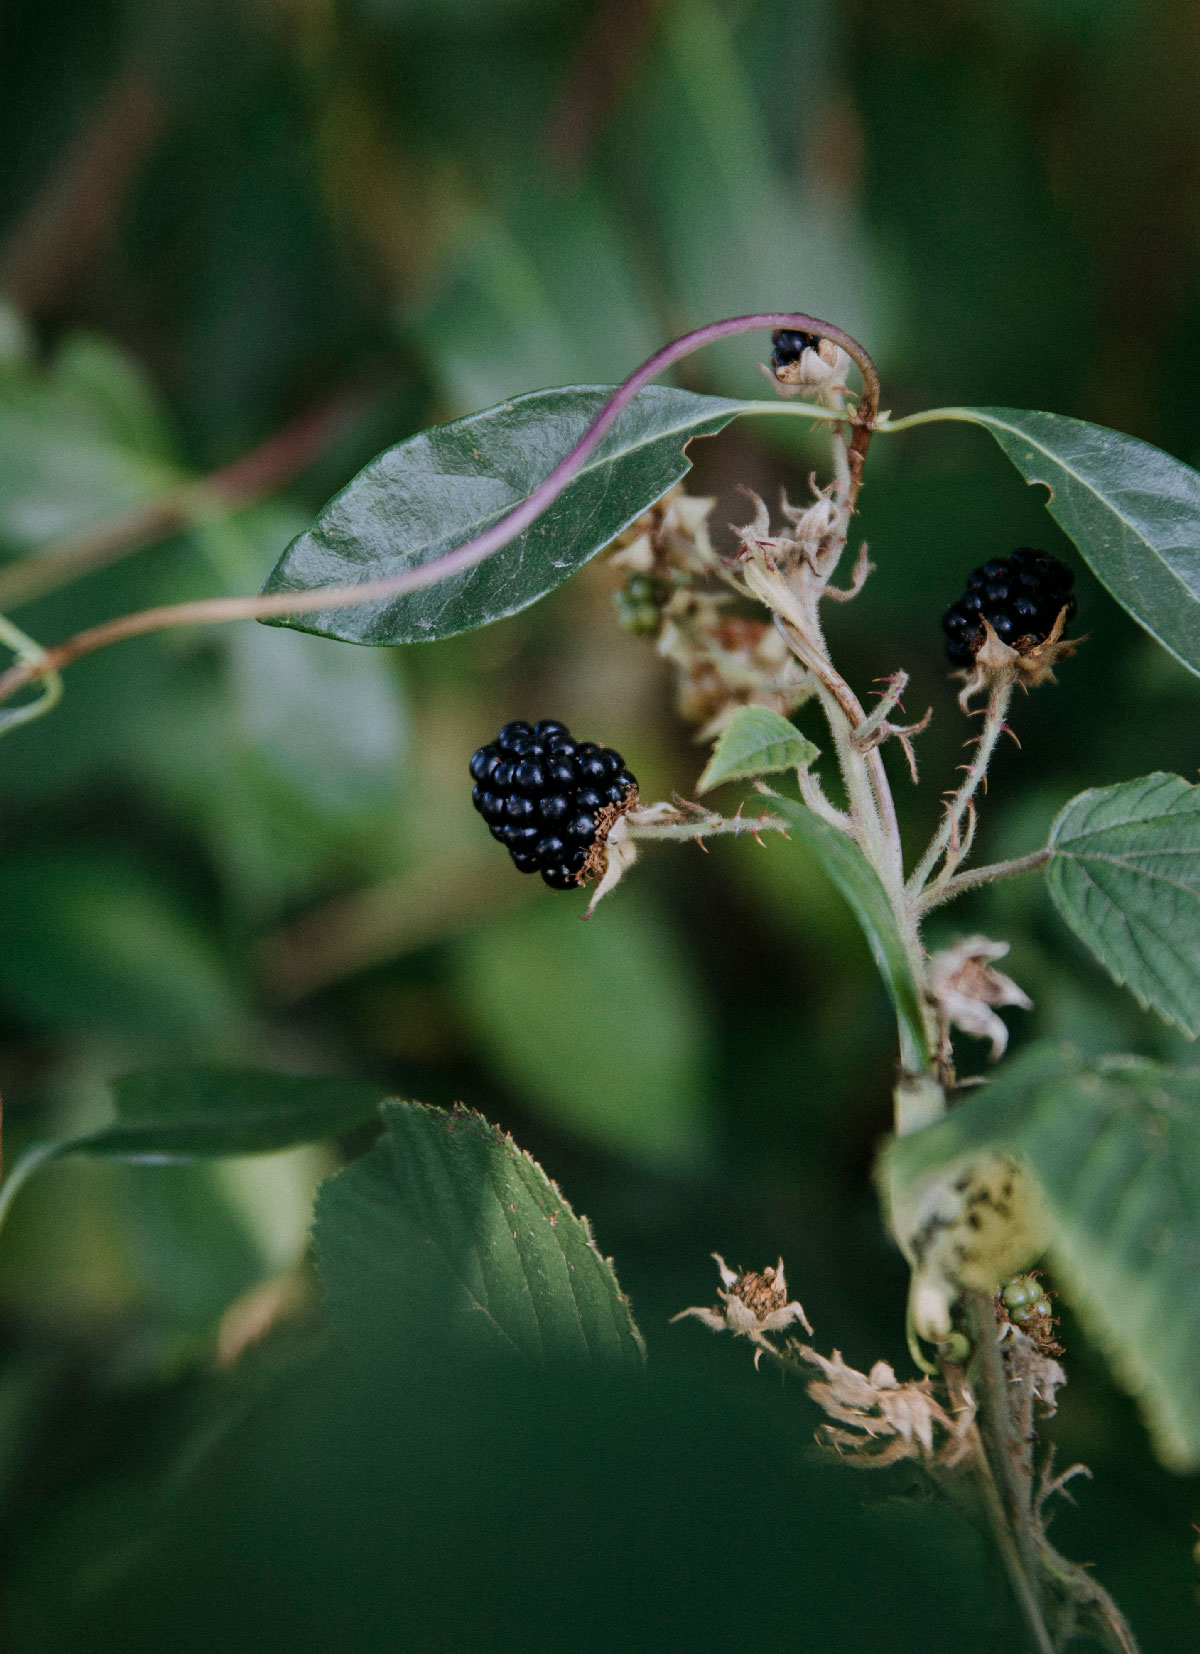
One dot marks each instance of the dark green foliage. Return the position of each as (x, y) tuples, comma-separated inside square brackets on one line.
[(254, 849)]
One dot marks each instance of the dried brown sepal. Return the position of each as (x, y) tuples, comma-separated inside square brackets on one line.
[(1028, 662), (595, 863), (817, 368)]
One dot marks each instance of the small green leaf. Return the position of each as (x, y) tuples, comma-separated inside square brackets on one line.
[(171, 1115), (860, 885), (420, 499), (1125, 875), (1133, 511), (447, 1233), (1115, 1149), (756, 741)]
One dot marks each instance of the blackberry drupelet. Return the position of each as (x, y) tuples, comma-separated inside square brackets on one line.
[(789, 346), (1019, 596), (542, 794)]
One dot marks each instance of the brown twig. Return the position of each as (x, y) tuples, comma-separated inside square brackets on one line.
[(61, 231), (616, 36), (254, 476)]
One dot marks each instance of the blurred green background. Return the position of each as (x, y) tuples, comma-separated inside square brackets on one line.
[(257, 240)]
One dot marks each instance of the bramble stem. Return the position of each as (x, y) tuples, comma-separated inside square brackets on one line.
[(282, 605), (706, 824), (948, 890), (946, 838)]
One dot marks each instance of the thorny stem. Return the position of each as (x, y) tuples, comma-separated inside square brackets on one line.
[(947, 836), (322, 599), (950, 889), (703, 824), (1007, 1500)]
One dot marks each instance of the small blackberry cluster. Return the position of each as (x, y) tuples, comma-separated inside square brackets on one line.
[(1019, 596), (542, 792), (789, 346)]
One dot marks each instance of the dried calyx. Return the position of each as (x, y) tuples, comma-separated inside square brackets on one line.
[(677, 589), (804, 362), (1008, 625)]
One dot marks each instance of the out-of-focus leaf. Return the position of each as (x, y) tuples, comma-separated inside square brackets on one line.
[(173, 1115), (447, 1236), (756, 741), (504, 316), (596, 1026), (859, 884), (1125, 875), (440, 489), (1115, 1149), (1133, 511), (78, 442), (736, 232), (490, 1507), (92, 941)]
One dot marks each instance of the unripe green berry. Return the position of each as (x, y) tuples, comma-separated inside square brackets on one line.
[(955, 1349), (1020, 1292), (637, 617)]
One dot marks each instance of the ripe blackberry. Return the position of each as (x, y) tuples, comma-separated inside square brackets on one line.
[(789, 346), (1019, 596), (548, 797)]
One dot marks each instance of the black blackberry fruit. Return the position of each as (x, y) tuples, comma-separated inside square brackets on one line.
[(545, 795), (1019, 596), (789, 346)]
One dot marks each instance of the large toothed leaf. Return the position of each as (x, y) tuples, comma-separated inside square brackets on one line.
[(447, 1236), (860, 885), (1133, 511), (1115, 1149), (168, 1116), (436, 491), (1125, 875), (756, 741)]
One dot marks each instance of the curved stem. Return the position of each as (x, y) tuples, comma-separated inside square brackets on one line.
[(286, 604)]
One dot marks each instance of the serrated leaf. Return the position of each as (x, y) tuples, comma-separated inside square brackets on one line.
[(168, 1116), (1133, 511), (1115, 1150), (1125, 875), (447, 1234), (756, 741), (438, 490), (860, 885)]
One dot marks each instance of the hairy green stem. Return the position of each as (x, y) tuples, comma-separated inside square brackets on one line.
[(948, 890), (947, 835)]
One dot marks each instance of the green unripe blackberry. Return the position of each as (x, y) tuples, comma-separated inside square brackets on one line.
[(636, 603)]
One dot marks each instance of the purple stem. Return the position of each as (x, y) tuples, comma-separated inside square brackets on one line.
[(284, 605), (531, 508)]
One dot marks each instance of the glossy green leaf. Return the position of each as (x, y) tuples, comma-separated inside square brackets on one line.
[(435, 491), (756, 741), (1133, 511), (172, 1115), (1125, 875), (447, 1233), (611, 1042), (1115, 1150), (860, 885)]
